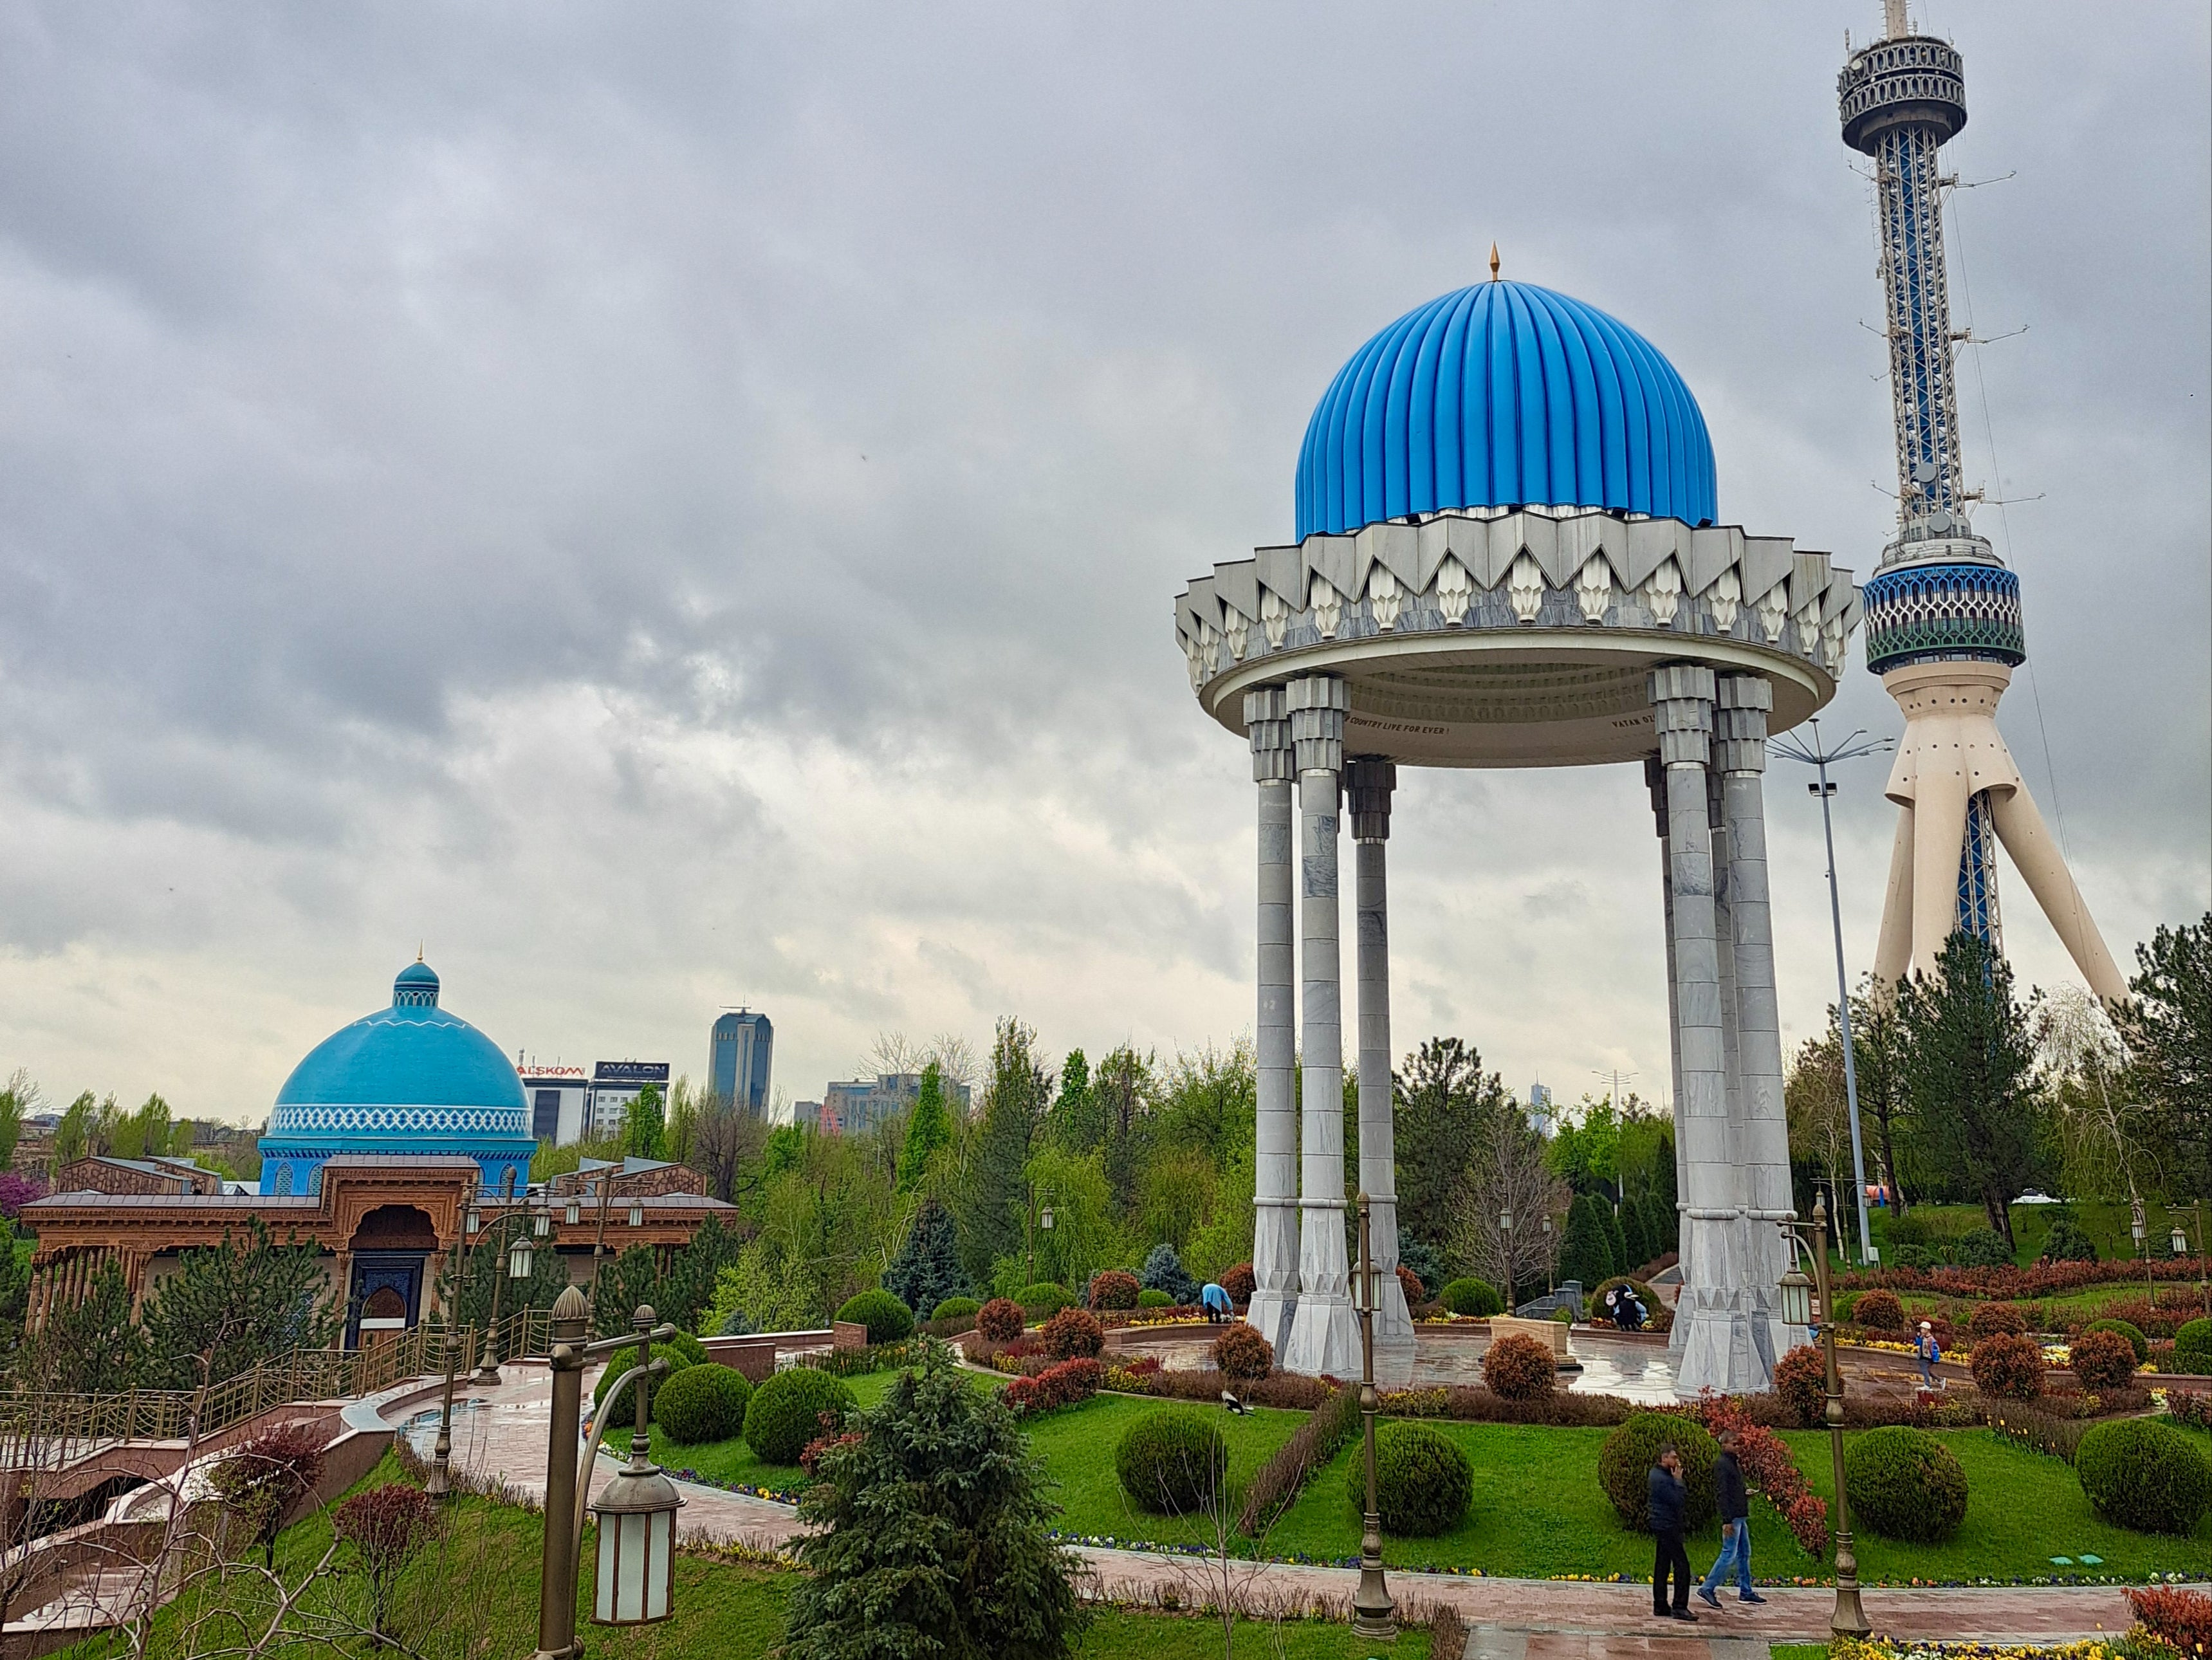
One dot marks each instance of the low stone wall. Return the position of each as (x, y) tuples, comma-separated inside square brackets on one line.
[(754, 1356)]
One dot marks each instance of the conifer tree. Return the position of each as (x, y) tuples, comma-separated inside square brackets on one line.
[(89, 1347), (228, 1308), (1587, 1253), (992, 1208), (1969, 1068), (929, 1538), (926, 1269), (927, 1129)]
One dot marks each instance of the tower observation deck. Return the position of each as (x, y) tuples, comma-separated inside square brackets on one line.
[(1943, 620)]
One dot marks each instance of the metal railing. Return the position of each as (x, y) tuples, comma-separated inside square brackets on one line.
[(47, 1426)]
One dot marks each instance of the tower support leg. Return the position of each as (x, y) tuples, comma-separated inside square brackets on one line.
[(2042, 866)]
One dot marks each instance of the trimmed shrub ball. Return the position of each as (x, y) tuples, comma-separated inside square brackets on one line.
[(1150, 1297), (1879, 1310), (1476, 1297), (1240, 1283), (1982, 1248), (2008, 1367), (700, 1404), (2193, 1341), (1242, 1353), (1801, 1381), (1519, 1368), (1001, 1320), (955, 1308), (1905, 1484), (1422, 1481), (690, 1348), (2144, 1475), (1072, 1335), (1410, 1283), (2137, 1340), (1997, 1320), (786, 1413), (1172, 1462), (1625, 1463), (1113, 1288), (2102, 1360), (888, 1320), (620, 1362), (1043, 1299)]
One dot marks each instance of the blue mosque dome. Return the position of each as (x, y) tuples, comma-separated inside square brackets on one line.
[(410, 1079), (1504, 394)]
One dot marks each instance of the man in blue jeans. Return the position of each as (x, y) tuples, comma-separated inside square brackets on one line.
[(1733, 1502)]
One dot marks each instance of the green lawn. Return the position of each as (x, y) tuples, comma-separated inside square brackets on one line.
[(1078, 1443), (726, 1462), (1539, 1511), (2107, 1224), (474, 1597)]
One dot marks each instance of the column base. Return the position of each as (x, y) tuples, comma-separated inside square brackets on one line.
[(1324, 1340), (1719, 1350), (1270, 1313)]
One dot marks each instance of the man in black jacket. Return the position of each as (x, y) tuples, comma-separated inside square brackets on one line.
[(1734, 1506), (1669, 1503)]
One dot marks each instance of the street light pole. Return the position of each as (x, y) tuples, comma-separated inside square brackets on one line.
[(1374, 1614), (1849, 1618), (1858, 743)]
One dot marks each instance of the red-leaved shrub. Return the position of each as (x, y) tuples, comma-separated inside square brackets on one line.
[(2008, 1367), (1767, 1466), (2102, 1360), (1062, 1385), (1114, 1288), (1518, 1368), (2190, 1407), (386, 1526), (1242, 1353), (1000, 1320), (2180, 1619), (1997, 1320), (1879, 1310), (1240, 1283), (1072, 1335), (1416, 1292), (1801, 1380)]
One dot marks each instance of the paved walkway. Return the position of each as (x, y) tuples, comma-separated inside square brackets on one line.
[(500, 1436)]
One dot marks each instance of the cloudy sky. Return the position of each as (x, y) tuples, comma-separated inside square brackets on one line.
[(665, 505)]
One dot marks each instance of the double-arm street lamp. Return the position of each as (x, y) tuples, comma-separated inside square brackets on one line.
[(519, 1261), (636, 1572), (1374, 1614), (1799, 1309)]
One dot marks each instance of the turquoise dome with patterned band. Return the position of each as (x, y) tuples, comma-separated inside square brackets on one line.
[(413, 1078)]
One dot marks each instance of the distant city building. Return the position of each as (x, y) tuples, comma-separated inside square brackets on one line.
[(557, 1100), (854, 1109), (738, 1052), (615, 1085), (1540, 1117)]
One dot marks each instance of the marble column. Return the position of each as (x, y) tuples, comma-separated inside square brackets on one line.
[(1275, 1167), (1715, 1351), (1740, 756), (1655, 780), (1369, 782), (1324, 1336)]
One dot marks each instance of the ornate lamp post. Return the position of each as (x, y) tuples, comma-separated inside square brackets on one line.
[(1798, 1309), (637, 1513), (1374, 1614), (519, 1258)]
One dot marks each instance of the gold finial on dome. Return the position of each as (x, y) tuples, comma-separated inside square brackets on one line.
[(1493, 262)]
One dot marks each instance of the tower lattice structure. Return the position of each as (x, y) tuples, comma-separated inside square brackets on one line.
[(1943, 622)]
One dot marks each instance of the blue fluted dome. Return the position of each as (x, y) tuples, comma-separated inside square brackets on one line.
[(1504, 394), (410, 1079)]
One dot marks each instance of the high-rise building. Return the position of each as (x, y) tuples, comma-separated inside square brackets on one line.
[(1943, 622), (739, 1049)]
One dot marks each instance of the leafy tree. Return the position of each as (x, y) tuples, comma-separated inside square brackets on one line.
[(1226, 1239), (1969, 1067), (264, 1477), (991, 1205), (234, 1304), (2167, 1024), (926, 1269), (687, 1286), (1507, 1175), (19, 1096), (387, 1526), (144, 1133), (1176, 1194), (92, 1346), (643, 1125), (1083, 1238), (726, 1145), (1878, 1049), (762, 1292), (1208, 1102), (928, 1130), (2102, 1130), (930, 1536), (73, 1135), (1122, 1090), (1444, 1099), (1586, 1151)]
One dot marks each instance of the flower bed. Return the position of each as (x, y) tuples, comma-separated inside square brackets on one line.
[(1768, 1467)]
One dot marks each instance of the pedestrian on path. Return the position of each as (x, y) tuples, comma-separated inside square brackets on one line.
[(1666, 1504), (1218, 1308), (1734, 1506), (1926, 1351)]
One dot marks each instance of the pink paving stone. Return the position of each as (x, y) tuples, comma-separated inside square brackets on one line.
[(500, 1435)]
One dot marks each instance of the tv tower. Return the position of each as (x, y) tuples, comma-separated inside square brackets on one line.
[(1942, 613)]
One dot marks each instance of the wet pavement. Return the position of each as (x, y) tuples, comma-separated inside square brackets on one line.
[(1635, 1369)]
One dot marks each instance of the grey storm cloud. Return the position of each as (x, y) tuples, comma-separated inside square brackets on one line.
[(670, 504)]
